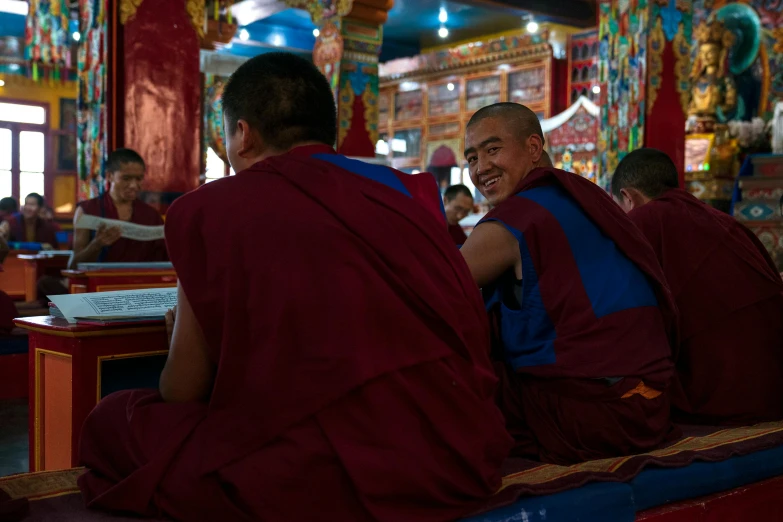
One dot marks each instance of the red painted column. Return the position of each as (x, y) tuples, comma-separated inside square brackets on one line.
[(154, 88)]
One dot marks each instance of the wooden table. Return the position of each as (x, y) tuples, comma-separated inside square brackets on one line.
[(71, 368), (38, 265), (12, 278), (106, 280)]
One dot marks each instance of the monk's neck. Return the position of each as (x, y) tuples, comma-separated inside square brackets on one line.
[(124, 208)]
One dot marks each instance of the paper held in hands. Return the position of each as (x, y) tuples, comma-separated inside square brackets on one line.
[(115, 307), (129, 230)]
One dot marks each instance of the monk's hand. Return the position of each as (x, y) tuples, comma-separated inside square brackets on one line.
[(171, 316), (107, 236)]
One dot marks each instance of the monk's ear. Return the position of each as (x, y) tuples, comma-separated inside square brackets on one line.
[(631, 199), (247, 139), (536, 147)]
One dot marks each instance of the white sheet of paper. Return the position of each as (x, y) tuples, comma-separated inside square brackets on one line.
[(123, 303), (129, 230)]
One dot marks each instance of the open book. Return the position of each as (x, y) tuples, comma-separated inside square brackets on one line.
[(104, 308)]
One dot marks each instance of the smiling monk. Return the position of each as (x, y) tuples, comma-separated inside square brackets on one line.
[(582, 316)]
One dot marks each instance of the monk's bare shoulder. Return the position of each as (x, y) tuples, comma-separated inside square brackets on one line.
[(491, 249)]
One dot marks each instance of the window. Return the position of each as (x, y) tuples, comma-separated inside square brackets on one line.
[(216, 167), (18, 113), (5, 162), (23, 149)]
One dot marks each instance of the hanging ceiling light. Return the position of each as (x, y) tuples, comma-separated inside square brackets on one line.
[(443, 32), (532, 26), (316, 32), (443, 16), (244, 35)]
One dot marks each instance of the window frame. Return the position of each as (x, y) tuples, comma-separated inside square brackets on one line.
[(16, 129)]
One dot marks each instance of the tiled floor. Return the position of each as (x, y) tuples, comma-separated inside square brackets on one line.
[(13, 437)]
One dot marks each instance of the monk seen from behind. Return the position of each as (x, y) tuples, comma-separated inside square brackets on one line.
[(582, 316), (727, 289), (330, 355)]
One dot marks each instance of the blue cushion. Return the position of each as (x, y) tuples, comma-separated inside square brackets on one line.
[(652, 487), (597, 502)]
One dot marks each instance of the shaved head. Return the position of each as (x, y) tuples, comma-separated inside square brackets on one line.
[(520, 120), (503, 143)]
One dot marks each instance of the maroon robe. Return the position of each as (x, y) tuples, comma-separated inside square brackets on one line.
[(45, 231), (584, 354), (457, 234), (352, 351), (128, 250), (730, 297)]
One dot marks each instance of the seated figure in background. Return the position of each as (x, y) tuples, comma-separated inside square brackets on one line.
[(330, 354), (583, 319), (458, 203), (27, 226), (125, 171), (727, 289)]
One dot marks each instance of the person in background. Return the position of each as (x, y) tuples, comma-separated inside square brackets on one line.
[(125, 171), (8, 207), (728, 291), (583, 318), (335, 367), (27, 226), (458, 203), (47, 214)]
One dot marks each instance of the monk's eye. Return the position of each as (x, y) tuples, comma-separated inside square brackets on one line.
[(493, 150), (472, 159)]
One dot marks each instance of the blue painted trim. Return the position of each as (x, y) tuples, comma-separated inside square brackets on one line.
[(528, 334), (377, 173), (612, 281)]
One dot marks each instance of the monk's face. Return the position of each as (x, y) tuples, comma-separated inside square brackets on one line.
[(31, 208), (126, 181), (499, 158), (459, 207)]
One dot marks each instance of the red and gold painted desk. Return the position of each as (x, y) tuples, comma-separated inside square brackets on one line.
[(81, 281), (12, 280), (71, 368), (38, 265)]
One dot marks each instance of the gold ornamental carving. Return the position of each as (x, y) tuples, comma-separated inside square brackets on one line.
[(322, 9), (128, 9), (196, 10)]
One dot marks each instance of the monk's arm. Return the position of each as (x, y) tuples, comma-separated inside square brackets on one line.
[(86, 250), (3, 249), (189, 374), (489, 251)]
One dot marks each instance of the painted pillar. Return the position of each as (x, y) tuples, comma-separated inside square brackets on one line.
[(148, 58), (357, 98), (668, 86), (622, 66), (644, 66), (347, 51)]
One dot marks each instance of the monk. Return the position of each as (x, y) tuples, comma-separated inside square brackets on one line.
[(27, 226), (727, 289), (125, 171), (458, 203), (8, 207), (330, 352), (582, 316)]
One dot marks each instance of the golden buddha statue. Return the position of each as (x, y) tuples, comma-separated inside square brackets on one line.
[(711, 87)]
